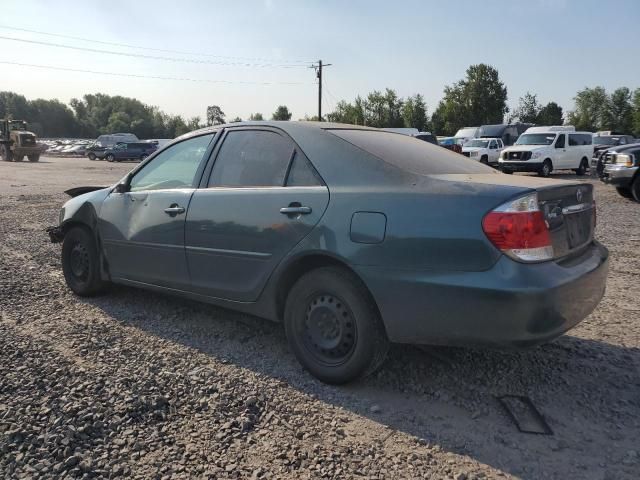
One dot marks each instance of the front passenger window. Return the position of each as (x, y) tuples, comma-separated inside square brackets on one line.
[(175, 167), (560, 141)]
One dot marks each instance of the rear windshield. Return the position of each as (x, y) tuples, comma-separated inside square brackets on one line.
[(606, 140), (410, 154)]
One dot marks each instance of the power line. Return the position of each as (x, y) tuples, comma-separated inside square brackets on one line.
[(126, 45), (152, 57), (154, 77)]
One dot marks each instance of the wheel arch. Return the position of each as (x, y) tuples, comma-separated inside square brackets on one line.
[(296, 268)]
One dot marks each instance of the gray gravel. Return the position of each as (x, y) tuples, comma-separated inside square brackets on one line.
[(137, 385)]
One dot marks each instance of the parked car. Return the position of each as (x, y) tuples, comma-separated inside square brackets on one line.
[(129, 151), (451, 143), (544, 149), (622, 170), (352, 236), (426, 137), (603, 141), (508, 132), (466, 134), (484, 150), (114, 138)]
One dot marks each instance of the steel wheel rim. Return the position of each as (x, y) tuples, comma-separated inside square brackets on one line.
[(79, 261), (329, 330)]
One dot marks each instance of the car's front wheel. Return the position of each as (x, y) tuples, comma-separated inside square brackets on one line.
[(635, 189), (81, 262), (624, 192), (92, 156), (333, 326), (546, 168), (110, 158)]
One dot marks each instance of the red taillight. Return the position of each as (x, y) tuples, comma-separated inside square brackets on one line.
[(518, 228)]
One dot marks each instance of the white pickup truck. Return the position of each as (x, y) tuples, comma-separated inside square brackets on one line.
[(484, 150)]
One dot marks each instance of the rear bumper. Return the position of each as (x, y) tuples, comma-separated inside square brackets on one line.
[(525, 166), (618, 175), (510, 305)]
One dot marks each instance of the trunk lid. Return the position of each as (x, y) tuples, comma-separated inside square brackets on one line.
[(570, 214)]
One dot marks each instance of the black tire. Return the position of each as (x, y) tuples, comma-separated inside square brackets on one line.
[(625, 192), (582, 169), (635, 189), (7, 155), (92, 156), (484, 159), (110, 158), (546, 169), (333, 326), (81, 262), (508, 172), (17, 158), (143, 156), (33, 158)]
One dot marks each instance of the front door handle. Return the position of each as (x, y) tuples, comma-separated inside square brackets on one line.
[(174, 210), (295, 210)]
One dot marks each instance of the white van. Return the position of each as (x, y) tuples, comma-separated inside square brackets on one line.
[(544, 149)]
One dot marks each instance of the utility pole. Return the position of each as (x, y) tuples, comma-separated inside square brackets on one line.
[(318, 69)]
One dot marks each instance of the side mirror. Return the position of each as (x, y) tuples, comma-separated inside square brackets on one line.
[(123, 186)]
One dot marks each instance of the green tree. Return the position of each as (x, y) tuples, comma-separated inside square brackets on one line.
[(478, 99), (621, 110), (550, 114), (281, 113), (215, 115), (636, 113), (256, 117), (592, 110), (414, 112), (236, 120), (527, 110)]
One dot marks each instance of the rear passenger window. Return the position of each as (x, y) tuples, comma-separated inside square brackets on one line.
[(252, 158), (302, 174)]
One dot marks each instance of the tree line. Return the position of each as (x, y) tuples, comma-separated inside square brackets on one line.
[(480, 98), (97, 114)]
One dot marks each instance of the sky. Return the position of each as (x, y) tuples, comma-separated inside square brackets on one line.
[(262, 49)]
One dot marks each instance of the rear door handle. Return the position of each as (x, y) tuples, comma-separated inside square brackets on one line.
[(295, 210), (174, 210)]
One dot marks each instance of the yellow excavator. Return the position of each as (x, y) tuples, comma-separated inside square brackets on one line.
[(16, 141)]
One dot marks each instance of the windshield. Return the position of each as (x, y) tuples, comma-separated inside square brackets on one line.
[(536, 139), (478, 143), (606, 140), (467, 132), (17, 125)]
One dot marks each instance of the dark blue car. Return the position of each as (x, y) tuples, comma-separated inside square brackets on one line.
[(129, 151), (352, 236)]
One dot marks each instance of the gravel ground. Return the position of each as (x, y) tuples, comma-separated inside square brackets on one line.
[(138, 385)]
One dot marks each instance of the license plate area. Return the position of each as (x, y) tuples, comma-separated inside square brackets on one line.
[(578, 228)]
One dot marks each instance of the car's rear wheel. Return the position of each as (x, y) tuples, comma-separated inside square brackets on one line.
[(81, 262), (110, 158), (508, 172), (546, 168), (33, 158), (333, 326), (635, 189), (92, 156), (582, 169)]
